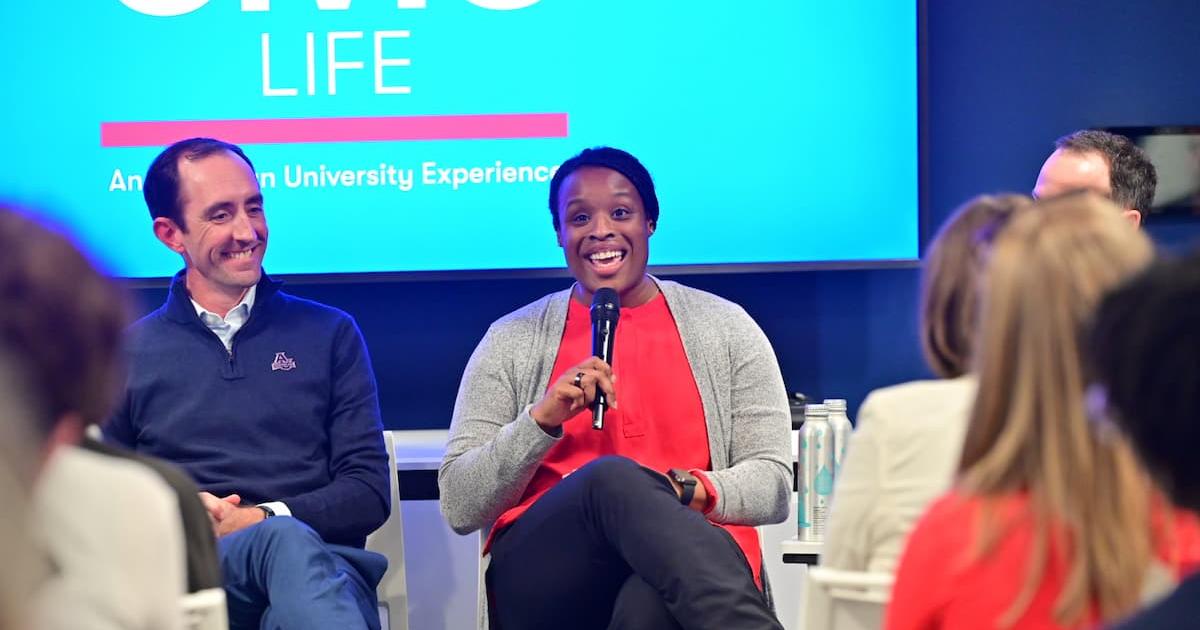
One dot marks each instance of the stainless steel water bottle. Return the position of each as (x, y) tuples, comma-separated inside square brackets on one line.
[(816, 473), (840, 423)]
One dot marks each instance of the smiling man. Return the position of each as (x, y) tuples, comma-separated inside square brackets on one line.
[(648, 522), (267, 400)]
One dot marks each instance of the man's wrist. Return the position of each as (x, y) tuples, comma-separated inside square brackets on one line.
[(266, 510), (278, 508)]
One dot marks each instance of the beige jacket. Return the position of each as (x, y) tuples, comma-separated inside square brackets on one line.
[(902, 455)]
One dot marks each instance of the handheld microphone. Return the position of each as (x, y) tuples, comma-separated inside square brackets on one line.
[(606, 310)]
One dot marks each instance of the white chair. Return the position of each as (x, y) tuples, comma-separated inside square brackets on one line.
[(844, 600), (205, 610), (389, 541)]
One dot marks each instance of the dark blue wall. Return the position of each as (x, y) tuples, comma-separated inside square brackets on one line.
[(1006, 77), (1003, 79)]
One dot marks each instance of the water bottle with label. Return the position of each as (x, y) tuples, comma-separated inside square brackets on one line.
[(840, 423), (816, 473)]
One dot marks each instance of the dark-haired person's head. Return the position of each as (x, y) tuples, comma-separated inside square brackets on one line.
[(207, 207), (62, 320), (604, 210), (1102, 162), (952, 270), (1145, 342), (162, 188)]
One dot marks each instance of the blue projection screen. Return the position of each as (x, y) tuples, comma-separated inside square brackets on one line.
[(420, 135)]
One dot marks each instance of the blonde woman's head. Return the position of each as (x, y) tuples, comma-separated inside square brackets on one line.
[(1029, 430)]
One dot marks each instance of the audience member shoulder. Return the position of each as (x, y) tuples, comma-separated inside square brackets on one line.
[(77, 469), (112, 527), (956, 507), (943, 529), (917, 403)]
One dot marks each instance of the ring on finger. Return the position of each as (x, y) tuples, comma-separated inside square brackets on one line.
[(578, 382)]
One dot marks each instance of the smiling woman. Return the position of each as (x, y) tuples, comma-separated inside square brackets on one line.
[(587, 526), (605, 210)]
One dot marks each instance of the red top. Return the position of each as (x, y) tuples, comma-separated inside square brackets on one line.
[(938, 587), (659, 422)]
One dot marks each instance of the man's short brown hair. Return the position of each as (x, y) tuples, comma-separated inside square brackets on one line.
[(1132, 177)]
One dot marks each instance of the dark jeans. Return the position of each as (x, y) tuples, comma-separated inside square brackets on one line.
[(610, 546)]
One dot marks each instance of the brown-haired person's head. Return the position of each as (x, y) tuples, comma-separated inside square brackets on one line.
[(949, 282), (207, 206), (1029, 431), (62, 320), (1145, 349)]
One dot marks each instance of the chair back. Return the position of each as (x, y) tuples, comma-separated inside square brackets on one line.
[(845, 600), (388, 540)]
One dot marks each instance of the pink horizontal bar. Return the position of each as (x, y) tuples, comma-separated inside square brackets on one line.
[(372, 129)]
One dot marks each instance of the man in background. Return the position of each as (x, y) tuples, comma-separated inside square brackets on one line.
[(268, 401), (1102, 162)]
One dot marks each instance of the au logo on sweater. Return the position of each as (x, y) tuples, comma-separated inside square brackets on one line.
[(283, 362)]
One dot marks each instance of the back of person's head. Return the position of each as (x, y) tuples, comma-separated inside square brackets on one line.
[(1145, 347), (61, 319), (1029, 431), (949, 282), (1132, 176)]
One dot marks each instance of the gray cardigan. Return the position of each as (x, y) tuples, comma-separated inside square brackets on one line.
[(495, 446)]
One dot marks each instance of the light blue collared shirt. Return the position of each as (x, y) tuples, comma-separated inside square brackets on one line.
[(226, 327)]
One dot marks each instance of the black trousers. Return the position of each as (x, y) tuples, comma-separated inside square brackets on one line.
[(610, 546)]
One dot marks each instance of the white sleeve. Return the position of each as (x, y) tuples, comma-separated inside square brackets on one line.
[(279, 508)]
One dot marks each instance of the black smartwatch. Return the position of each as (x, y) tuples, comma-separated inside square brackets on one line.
[(267, 512), (686, 481)]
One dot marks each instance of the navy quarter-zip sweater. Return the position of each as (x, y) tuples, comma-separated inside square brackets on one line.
[(290, 414)]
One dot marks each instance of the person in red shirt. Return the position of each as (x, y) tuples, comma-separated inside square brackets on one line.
[(649, 522), (1052, 522)]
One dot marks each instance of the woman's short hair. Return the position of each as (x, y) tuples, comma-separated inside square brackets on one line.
[(949, 283), (612, 159)]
